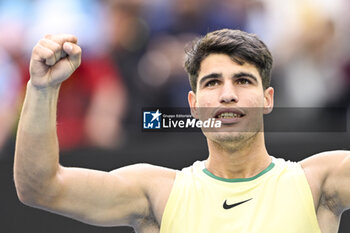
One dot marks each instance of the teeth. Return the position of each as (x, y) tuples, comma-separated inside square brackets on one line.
[(229, 115)]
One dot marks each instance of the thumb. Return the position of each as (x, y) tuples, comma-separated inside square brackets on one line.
[(74, 53)]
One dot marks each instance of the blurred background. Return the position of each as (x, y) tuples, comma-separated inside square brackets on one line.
[(133, 52)]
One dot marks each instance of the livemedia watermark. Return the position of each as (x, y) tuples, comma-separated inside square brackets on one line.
[(233, 119)]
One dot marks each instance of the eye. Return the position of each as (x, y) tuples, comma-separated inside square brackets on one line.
[(212, 83), (243, 81)]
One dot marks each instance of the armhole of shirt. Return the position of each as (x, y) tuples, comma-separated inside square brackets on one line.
[(170, 206), (308, 198)]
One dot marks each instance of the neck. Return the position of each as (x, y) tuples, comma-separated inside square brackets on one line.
[(245, 160)]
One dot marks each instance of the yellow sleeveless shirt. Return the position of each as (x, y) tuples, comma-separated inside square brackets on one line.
[(277, 200)]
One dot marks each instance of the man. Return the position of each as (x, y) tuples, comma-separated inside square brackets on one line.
[(239, 188)]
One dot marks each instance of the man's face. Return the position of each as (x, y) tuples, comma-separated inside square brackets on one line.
[(233, 94)]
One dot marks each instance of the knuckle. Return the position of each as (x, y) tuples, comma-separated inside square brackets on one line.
[(35, 49), (48, 36), (56, 47), (50, 54), (79, 50), (43, 42)]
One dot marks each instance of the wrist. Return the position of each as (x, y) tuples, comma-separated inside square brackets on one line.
[(43, 89)]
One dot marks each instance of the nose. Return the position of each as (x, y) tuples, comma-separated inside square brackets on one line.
[(228, 94)]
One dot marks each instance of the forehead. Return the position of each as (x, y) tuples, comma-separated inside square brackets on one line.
[(222, 63)]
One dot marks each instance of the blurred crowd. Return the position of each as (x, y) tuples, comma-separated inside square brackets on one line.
[(133, 52)]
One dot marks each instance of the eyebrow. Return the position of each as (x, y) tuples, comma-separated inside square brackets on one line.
[(219, 75), (245, 74)]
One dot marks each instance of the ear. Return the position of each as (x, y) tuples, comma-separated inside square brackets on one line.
[(268, 100), (192, 102)]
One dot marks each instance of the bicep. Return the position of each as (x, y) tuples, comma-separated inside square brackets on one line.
[(99, 198)]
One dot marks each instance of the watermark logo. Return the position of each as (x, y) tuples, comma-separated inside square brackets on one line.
[(175, 119), (152, 119), (232, 119)]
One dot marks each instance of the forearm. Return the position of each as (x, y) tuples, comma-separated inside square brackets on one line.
[(36, 156)]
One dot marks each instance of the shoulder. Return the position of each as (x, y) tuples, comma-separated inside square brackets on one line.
[(144, 168), (322, 165), (332, 157), (146, 174)]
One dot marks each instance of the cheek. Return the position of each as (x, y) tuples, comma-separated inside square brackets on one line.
[(252, 99), (205, 101), (256, 102)]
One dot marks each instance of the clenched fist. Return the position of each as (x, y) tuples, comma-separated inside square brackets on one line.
[(54, 59)]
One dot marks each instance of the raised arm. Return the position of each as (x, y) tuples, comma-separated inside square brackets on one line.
[(328, 174), (100, 198)]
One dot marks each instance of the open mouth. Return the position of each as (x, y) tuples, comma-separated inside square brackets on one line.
[(229, 116), (226, 113)]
